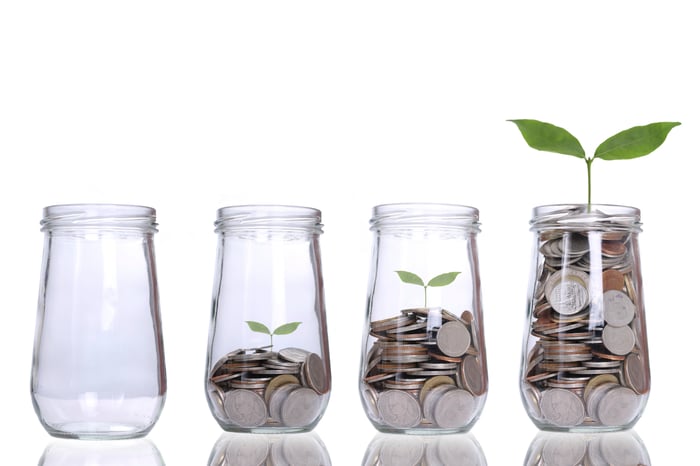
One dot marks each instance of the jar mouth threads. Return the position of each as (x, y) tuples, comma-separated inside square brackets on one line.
[(99, 216), (425, 215), (603, 217), (268, 217)]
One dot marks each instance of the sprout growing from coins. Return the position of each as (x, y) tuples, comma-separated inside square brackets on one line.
[(284, 329), (443, 279), (631, 143)]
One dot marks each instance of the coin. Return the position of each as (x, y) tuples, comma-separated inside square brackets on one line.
[(277, 382), (454, 409), (431, 399), (471, 375), (618, 308), (567, 291), (399, 409), (618, 407), (434, 382), (636, 374), (245, 408), (453, 338), (315, 373), (300, 408), (613, 280), (277, 399), (562, 407), (297, 355), (618, 340)]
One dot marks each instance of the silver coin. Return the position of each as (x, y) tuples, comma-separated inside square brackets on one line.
[(595, 395), (618, 340), (315, 373), (245, 408), (618, 407), (297, 355), (567, 291), (636, 374), (300, 408), (562, 407), (399, 409), (278, 397), (454, 409), (453, 339), (431, 398), (216, 396), (618, 308), (471, 375)]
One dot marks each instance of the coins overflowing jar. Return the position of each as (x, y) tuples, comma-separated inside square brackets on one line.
[(423, 363), (585, 361), (268, 367), (98, 370)]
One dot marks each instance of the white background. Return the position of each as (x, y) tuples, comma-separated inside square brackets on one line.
[(341, 105)]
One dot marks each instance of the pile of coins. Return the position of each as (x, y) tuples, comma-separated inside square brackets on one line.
[(259, 387), (587, 365), (558, 449), (424, 369)]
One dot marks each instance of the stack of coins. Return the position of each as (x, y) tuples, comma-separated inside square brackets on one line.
[(259, 387), (585, 334), (424, 369)]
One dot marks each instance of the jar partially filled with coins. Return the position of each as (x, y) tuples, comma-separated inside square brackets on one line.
[(268, 367), (423, 361), (585, 361)]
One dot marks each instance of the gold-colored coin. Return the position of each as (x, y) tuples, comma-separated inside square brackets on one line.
[(434, 382), (277, 382)]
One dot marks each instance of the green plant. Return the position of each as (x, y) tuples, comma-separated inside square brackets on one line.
[(628, 144), (284, 329), (439, 280)]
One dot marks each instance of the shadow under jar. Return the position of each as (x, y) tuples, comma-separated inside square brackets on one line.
[(423, 363), (268, 366), (98, 370), (585, 361)]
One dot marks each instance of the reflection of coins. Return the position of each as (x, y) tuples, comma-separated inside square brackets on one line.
[(621, 448), (618, 340), (451, 450), (619, 309), (315, 373), (567, 291), (454, 409), (246, 408), (300, 407), (399, 409), (564, 450), (252, 452), (300, 450), (453, 338), (618, 407), (562, 407), (636, 374)]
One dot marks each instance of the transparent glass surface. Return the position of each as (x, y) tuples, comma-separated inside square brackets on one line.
[(423, 362), (139, 452), (268, 366), (98, 369), (433, 450), (585, 361), (238, 449)]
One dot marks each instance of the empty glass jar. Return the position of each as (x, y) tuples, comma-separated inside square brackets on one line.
[(268, 367), (423, 362), (98, 369), (585, 360)]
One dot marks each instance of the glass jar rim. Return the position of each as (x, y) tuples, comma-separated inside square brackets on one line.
[(266, 216), (586, 217), (99, 215), (424, 214)]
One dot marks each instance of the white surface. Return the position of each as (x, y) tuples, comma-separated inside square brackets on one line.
[(190, 106)]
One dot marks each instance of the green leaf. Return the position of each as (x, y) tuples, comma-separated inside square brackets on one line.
[(286, 329), (408, 277), (634, 142), (443, 279), (258, 327), (547, 137)]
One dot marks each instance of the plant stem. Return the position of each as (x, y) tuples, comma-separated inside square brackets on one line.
[(588, 169), (425, 296)]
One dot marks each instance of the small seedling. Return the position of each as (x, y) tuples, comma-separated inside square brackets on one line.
[(439, 280), (284, 329), (628, 144)]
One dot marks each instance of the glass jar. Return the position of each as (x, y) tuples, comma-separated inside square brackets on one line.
[(585, 361), (423, 363), (98, 369), (268, 367)]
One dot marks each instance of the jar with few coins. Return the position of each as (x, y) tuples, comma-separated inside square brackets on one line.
[(585, 358), (268, 365), (423, 360)]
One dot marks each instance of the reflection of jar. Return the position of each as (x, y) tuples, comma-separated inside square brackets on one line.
[(423, 363), (268, 368), (139, 452), (559, 449), (428, 450), (237, 449), (98, 369), (585, 363)]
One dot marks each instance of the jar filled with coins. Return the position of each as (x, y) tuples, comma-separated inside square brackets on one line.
[(423, 362), (98, 370), (585, 360), (268, 367)]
